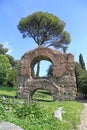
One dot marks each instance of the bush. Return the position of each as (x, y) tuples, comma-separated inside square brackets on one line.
[(4, 69), (11, 81), (31, 111)]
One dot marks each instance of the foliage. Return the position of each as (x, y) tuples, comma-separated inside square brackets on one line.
[(45, 29), (14, 63), (78, 68), (7, 73), (8, 68), (50, 71), (26, 111), (78, 71), (13, 74), (40, 115), (4, 69), (82, 79), (11, 82), (81, 61), (3, 50)]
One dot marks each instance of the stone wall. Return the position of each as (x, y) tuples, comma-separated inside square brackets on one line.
[(63, 74)]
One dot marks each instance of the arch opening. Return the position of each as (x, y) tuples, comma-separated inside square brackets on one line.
[(42, 70), (42, 95)]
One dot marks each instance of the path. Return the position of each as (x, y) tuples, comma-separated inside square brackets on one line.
[(83, 125)]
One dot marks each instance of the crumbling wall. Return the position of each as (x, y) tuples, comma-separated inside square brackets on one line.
[(63, 73)]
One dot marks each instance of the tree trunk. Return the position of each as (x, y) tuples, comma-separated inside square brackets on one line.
[(38, 69)]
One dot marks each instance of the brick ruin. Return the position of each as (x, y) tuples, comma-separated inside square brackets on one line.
[(62, 85)]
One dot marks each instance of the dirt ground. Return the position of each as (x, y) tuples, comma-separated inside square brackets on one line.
[(83, 124)]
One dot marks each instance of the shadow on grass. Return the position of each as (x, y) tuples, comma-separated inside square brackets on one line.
[(38, 100), (8, 89), (42, 100), (7, 96), (45, 92), (82, 101)]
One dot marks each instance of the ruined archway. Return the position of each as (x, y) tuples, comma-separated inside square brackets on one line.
[(43, 52), (32, 85), (62, 84)]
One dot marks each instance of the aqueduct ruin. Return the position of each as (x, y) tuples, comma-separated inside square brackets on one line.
[(62, 85)]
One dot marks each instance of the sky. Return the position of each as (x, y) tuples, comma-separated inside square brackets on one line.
[(72, 12)]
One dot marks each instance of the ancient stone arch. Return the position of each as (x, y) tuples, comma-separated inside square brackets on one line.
[(62, 85), (33, 85)]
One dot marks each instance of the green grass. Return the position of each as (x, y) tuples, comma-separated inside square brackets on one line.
[(71, 115), (43, 95), (39, 116), (8, 91)]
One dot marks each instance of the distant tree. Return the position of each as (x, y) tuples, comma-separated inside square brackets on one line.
[(11, 60), (13, 74), (50, 71), (3, 50), (82, 79), (8, 67), (11, 81), (65, 49), (81, 61), (4, 69), (78, 71), (46, 30), (14, 63)]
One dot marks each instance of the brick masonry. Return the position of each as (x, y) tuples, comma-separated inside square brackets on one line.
[(62, 84)]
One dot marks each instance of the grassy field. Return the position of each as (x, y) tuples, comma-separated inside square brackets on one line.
[(7, 91), (39, 115)]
